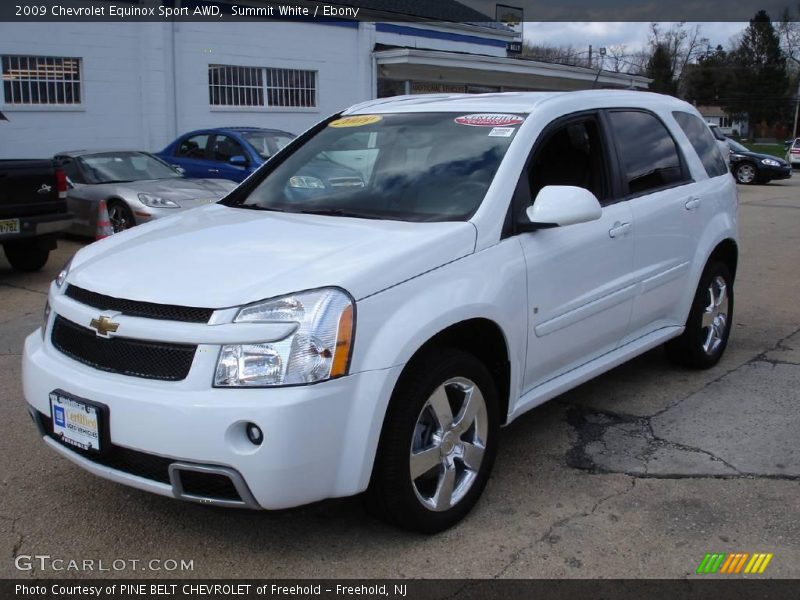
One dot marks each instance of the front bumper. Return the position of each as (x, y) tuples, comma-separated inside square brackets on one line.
[(319, 440), (776, 172)]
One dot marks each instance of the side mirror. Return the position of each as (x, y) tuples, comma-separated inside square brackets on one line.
[(238, 161), (561, 205), (179, 169)]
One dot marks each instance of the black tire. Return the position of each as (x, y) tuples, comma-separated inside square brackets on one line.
[(392, 495), (27, 255), (745, 173), (120, 216), (694, 348)]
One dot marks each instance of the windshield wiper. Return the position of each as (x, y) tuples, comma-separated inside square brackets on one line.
[(337, 212)]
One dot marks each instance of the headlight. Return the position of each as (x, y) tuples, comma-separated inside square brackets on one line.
[(62, 274), (318, 348), (157, 201), (770, 162), (306, 181)]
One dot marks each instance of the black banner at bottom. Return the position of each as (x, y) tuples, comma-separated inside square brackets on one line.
[(396, 589)]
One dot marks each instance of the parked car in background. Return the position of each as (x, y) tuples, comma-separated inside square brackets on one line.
[(754, 167), (270, 350), (793, 152), (136, 187), (33, 211), (226, 153), (721, 138)]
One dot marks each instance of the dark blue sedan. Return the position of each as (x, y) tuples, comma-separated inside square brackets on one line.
[(224, 153)]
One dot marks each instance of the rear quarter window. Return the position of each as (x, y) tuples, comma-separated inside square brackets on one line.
[(702, 141)]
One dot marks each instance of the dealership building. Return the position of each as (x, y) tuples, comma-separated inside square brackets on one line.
[(69, 85)]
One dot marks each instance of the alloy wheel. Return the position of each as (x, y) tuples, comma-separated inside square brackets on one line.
[(448, 444), (715, 316), (745, 174)]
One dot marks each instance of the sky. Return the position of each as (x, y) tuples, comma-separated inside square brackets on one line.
[(633, 35)]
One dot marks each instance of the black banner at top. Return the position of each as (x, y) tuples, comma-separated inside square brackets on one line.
[(484, 12)]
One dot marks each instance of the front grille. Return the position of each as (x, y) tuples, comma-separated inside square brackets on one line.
[(141, 464), (135, 308), (137, 358)]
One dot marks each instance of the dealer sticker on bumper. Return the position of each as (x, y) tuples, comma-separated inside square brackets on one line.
[(77, 423)]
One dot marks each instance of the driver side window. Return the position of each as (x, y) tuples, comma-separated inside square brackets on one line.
[(571, 155)]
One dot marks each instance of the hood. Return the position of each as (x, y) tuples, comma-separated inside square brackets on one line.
[(218, 256), (180, 188)]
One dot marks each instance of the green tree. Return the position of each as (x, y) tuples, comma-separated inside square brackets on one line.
[(660, 69), (760, 74), (710, 79)]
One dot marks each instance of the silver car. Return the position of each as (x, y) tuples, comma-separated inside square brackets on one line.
[(137, 187)]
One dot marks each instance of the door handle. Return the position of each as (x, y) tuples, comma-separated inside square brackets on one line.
[(213, 170), (692, 203), (619, 229)]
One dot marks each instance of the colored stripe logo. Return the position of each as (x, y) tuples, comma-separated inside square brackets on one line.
[(734, 563)]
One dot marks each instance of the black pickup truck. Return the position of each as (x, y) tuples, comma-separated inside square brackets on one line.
[(33, 211)]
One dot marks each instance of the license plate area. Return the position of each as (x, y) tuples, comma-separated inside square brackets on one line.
[(78, 422), (9, 226)]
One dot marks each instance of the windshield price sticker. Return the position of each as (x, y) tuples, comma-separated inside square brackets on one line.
[(502, 132), (489, 120), (355, 121)]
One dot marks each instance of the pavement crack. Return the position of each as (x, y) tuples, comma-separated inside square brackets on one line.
[(549, 536)]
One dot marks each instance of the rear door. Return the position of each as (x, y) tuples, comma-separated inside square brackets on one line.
[(191, 153), (666, 215)]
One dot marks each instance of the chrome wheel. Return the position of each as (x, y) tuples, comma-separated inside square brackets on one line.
[(119, 218), (448, 445), (745, 174), (715, 316)]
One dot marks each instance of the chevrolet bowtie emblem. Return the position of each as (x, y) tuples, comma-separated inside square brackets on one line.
[(104, 325)]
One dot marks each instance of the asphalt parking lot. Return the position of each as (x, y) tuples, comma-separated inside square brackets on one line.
[(638, 473)]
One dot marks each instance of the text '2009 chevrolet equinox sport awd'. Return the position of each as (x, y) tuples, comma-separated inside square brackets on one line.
[(312, 337)]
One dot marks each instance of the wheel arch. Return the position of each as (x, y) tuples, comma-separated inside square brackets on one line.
[(728, 252), (484, 339)]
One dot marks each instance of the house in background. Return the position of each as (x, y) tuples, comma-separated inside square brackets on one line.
[(728, 125), (68, 85)]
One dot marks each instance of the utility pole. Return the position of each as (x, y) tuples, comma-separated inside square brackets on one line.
[(590, 56)]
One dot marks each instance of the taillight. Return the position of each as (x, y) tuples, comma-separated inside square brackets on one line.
[(795, 151), (61, 183)]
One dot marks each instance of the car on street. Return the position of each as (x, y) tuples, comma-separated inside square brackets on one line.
[(276, 349), (750, 167), (793, 152), (227, 153), (135, 187)]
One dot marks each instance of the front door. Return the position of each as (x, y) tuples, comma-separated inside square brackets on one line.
[(580, 282)]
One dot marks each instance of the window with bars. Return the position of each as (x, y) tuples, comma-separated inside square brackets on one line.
[(230, 85), (42, 80)]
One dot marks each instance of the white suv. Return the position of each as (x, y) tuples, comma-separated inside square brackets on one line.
[(310, 337)]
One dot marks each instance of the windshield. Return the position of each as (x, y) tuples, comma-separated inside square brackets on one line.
[(110, 167), (266, 144), (410, 167), (736, 146)]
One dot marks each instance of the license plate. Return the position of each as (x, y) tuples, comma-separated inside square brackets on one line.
[(9, 226), (75, 422)]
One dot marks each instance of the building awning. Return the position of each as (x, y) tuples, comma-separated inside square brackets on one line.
[(454, 67)]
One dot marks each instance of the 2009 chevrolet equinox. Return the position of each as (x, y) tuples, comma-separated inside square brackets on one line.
[(310, 337)]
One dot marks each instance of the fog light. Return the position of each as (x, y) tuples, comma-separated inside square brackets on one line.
[(254, 434)]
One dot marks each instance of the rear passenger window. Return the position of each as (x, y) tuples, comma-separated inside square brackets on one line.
[(650, 159), (703, 143)]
